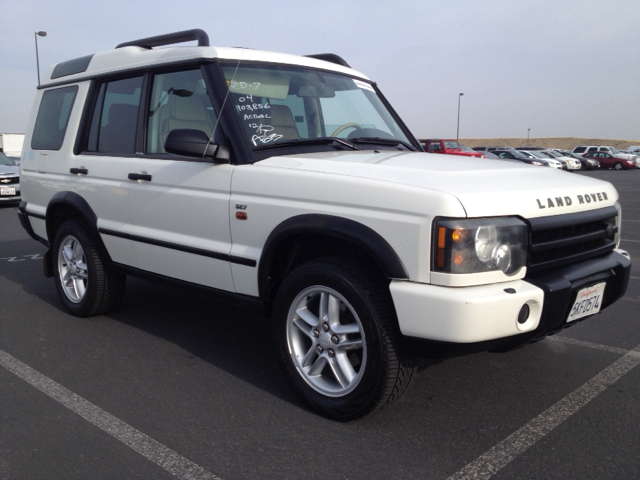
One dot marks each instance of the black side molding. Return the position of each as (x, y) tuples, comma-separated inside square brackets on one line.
[(181, 248), (170, 39), (23, 216)]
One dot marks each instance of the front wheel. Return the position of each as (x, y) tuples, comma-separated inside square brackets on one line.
[(84, 284), (618, 166), (338, 339)]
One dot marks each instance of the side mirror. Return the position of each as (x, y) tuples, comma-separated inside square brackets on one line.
[(195, 143)]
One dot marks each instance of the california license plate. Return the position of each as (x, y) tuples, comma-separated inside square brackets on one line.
[(588, 302), (7, 190)]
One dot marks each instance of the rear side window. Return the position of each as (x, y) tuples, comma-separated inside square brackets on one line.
[(53, 118), (115, 117)]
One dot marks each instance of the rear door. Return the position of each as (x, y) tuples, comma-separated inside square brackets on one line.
[(99, 172)]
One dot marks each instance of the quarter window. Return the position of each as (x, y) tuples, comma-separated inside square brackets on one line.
[(53, 118)]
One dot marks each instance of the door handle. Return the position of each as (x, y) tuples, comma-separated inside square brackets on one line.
[(140, 176), (79, 171)]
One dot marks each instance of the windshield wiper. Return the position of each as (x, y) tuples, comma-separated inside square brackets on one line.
[(392, 142), (310, 141)]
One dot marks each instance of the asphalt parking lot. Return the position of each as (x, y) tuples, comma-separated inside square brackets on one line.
[(173, 384)]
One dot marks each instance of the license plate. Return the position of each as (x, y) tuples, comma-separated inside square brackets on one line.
[(7, 190), (587, 302)]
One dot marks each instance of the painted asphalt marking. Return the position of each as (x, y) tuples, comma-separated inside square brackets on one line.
[(634, 241), (597, 346), (32, 256), (146, 446), (492, 461), (630, 299)]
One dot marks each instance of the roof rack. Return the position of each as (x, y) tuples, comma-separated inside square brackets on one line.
[(170, 39), (330, 57)]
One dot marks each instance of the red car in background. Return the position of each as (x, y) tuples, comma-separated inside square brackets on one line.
[(450, 147), (607, 160)]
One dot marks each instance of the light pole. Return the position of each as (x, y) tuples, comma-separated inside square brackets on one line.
[(36, 35), (528, 130), (458, 130)]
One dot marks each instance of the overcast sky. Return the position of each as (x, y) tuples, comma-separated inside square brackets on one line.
[(559, 67)]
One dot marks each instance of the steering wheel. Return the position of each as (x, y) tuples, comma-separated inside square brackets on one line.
[(344, 127)]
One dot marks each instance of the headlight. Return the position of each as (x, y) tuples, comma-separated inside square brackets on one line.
[(535, 162), (480, 245)]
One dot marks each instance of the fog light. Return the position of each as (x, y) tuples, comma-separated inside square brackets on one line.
[(523, 315)]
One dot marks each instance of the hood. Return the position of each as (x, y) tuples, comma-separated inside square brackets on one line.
[(9, 170), (484, 187)]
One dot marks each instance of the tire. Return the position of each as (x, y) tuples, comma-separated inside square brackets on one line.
[(352, 364), (617, 166), (85, 287)]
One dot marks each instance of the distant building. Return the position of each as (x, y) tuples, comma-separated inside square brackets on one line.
[(11, 144)]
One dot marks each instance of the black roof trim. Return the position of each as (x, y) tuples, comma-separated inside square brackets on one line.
[(71, 67), (170, 39), (330, 57)]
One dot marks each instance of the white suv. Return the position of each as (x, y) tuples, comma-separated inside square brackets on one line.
[(582, 149), (290, 181)]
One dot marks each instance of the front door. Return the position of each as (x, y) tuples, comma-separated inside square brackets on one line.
[(180, 206)]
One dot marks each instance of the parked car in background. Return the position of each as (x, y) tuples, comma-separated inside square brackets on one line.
[(635, 149), (9, 180), (543, 153), (603, 148), (572, 163), (586, 163), (553, 163), (449, 147), (513, 154), (488, 154), (607, 160)]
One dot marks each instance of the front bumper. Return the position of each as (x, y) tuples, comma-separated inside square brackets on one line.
[(443, 321)]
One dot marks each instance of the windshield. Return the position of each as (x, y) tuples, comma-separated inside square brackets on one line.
[(276, 105), (4, 160), (614, 150), (538, 154)]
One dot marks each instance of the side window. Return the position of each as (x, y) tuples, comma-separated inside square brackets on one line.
[(580, 149), (592, 149), (53, 117), (178, 100), (115, 117)]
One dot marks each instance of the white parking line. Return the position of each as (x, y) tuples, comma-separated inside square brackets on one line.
[(490, 462), (134, 439), (597, 346), (627, 240)]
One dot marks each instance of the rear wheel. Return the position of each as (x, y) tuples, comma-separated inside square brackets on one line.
[(338, 339), (84, 285)]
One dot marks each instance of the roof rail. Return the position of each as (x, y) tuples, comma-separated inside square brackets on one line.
[(170, 38), (330, 57)]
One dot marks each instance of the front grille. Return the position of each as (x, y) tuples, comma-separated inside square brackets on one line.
[(565, 239), (12, 180)]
